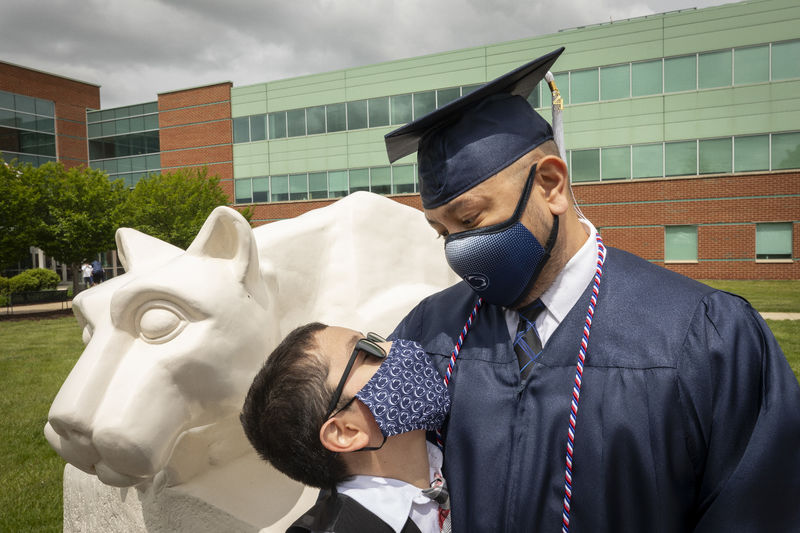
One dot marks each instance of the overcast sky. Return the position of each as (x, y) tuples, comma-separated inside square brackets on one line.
[(135, 49)]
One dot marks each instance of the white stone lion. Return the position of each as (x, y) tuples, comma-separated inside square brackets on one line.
[(148, 417)]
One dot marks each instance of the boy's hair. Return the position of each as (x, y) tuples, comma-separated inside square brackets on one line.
[(283, 411)]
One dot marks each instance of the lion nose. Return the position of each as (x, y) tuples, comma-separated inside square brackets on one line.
[(71, 430)]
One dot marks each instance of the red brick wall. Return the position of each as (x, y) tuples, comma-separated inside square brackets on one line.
[(71, 98), (632, 216), (195, 131)]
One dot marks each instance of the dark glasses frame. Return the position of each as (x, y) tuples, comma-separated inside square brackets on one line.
[(369, 345)]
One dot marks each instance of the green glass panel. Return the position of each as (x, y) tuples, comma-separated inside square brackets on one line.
[(139, 163), (318, 184), (242, 190), (298, 186), (403, 179), (337, 117), (680, 158), (401, 109), (137, 123), (150, 107), (337, 183), (445, 96), (277, 125), (24, 103), (583, 86), (774, 240), (680, 243), (125, 164), (715, 156), (258, 127), (279, 188), (751, 153), (466, 89), (534, 97), (107, 114), (562, 82), (615, 82), (380, 180), (123, 125), (46, 124), (680, 74), (616, 163), (378, 112), (356, 115), (751, 65), (714, 69), (108, 128), (261, 189), (585, 165), (786, 60), (241, 129), (94, 130), (648, 161), (359, 180), (151, 122), (296, 122), (7, 101), (785, 151), (424, 103), (45, 107), (315, 118), (154, 162)]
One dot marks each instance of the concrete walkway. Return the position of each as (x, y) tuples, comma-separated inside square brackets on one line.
[(781, 316)]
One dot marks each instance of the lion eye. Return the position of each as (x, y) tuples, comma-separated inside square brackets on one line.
[(160, 323)]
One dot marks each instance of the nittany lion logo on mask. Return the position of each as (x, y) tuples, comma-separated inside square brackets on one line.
[(479, 282)]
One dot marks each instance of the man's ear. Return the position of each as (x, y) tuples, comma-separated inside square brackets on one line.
[(553, 179), (340, 434)]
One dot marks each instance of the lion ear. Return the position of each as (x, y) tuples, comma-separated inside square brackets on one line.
[(136, 250), (226, 235)]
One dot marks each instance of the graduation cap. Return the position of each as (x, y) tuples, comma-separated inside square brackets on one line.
[(474, 137)]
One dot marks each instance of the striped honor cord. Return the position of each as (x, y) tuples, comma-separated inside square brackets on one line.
[(454, 356), (576, 388)]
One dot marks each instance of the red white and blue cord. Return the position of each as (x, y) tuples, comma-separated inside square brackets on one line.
[(576, 388)]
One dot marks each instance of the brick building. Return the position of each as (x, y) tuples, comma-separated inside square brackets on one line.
[(681, 130)]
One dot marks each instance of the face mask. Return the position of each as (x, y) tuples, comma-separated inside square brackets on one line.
[(501, 262), (406, 393)]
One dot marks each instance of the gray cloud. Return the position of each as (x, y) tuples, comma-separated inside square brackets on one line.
[(135, 50)]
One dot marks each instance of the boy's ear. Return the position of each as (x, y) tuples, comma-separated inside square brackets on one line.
[(340, 434)]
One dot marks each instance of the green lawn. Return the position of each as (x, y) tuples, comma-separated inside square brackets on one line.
[(37, 355)]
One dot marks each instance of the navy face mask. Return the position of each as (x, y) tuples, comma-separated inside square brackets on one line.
[(501, 262), (406, 393)]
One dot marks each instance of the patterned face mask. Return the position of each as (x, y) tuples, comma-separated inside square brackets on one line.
[(406, 393)]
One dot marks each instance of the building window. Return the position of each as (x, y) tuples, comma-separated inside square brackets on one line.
[(315, 117), (445, 96), (584, 86), (616, 163), (786, 60), (298, 187), (680, 74), (424, 103), (785, 151), (403, 179), (562, 82), (381, 180), (337, 184), (680, 158), (585, 165), (751, 153), (648, 161), (261, 189), (751, 65), (241, 129), (279, 188), (277, 125), (356, 115), (401, 109), (714, 69), (680, 243), (774, 240), (646, 78), (378, 112), (715, 156), (359, 180), (615, 82), (533, 98), (296, 122), (336, 117), (242, 191)]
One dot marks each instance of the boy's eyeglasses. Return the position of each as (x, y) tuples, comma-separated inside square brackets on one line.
[(369, 345)]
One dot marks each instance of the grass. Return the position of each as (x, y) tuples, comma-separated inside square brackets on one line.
[(37, 355), (35, 358), (766, 296)]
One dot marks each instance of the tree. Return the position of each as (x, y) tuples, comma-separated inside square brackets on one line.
[(76, 211), (172, 207), (16, 212)]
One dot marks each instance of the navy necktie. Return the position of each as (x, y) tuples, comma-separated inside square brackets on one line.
[(527, 344)]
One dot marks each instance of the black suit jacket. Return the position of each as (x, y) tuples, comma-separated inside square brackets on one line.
[(338, 513)]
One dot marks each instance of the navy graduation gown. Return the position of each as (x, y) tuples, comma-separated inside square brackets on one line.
[(689, 415)]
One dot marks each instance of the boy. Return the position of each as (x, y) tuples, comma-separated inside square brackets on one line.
[(348, 414)]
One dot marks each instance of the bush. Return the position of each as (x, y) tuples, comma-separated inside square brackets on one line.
[(35, 279), (3, 285)]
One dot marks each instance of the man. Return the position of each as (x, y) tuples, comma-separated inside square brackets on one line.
[(656, 403), (348, 414)]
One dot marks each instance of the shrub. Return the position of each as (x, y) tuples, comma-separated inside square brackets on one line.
[(3, 285), (47, 278), (35, 279)]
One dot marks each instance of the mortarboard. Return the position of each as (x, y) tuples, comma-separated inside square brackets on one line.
[(474, 137)]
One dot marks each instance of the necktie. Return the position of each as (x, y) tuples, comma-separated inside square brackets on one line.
[(438, 492), (527, 344)]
